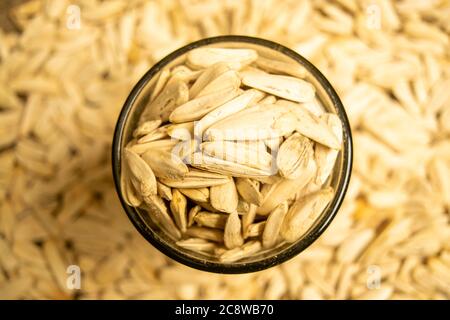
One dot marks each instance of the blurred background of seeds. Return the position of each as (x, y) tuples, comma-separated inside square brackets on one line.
[(64, 75)]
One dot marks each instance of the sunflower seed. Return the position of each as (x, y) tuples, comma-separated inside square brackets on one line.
[(294, 156), (199, 194), (192, 213), (248, 249), (181, 131), (286, 188), (164, 191), (165, 164), (227, 79), (215, 235), (248, 218), (326, 157), (205, 57), (255, 230), (303, 213), (273, 225), (249, 190), (275, 66), (146, 127), (286, 87), (206, 76), (197, 244), (157, 210), (197, 179), (175, 93), (211, 220), (178, 207), (141, 172), (224, 197)]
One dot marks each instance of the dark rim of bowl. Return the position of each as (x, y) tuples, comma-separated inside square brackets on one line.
[(240, 267)]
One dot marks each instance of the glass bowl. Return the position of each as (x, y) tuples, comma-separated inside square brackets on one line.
[(339, 179)]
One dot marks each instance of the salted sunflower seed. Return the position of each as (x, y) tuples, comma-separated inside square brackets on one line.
[(276, 66), (181, 131)]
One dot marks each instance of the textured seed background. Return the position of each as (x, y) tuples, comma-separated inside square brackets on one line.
[(60, 93)]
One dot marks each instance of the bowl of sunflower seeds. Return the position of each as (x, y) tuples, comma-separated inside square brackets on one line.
[(232, 154)]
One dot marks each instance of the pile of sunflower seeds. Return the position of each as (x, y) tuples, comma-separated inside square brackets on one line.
[(239, 155)]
